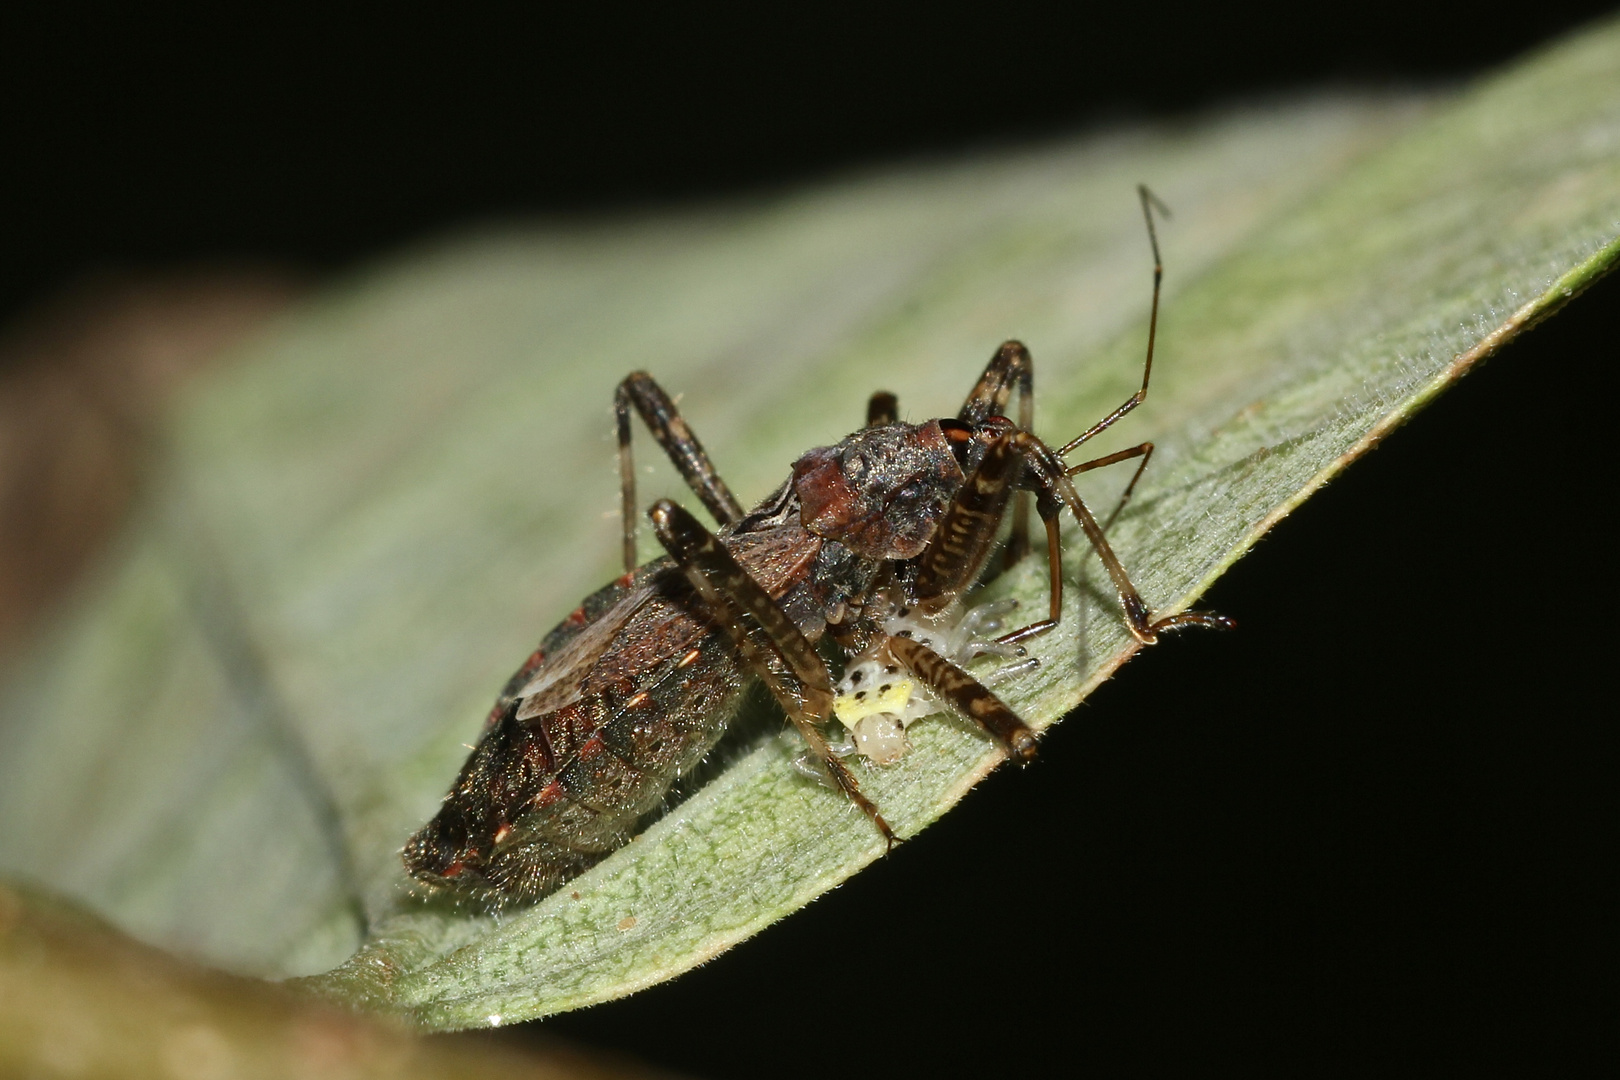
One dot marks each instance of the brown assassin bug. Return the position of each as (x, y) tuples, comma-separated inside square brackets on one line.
[(638, 684)]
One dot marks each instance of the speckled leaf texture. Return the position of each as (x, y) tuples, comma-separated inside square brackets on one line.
[(367, 519)]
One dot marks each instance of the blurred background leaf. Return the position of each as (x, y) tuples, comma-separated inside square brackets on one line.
[(82, 999)]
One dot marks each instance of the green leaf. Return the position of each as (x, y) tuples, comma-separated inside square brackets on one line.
[(368, 520)]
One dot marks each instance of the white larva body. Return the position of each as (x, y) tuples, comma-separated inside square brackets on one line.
[(878, 699)]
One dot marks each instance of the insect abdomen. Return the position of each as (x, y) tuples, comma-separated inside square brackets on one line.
[(626, 694), (556, 793)]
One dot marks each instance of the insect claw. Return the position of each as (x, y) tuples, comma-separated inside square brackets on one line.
[(1194, 618), (889, 839)]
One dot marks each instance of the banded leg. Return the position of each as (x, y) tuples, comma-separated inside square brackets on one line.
[(959, 546), (969, 696), (771, 645), (658, 412), (1011, 366), (1149, 201)]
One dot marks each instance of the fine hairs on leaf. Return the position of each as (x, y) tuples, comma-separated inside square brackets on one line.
[(369, 517)]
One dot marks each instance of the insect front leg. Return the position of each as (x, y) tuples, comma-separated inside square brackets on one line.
[(958, 549), (1010, 367), (658, 412), (1047, 474), (960, 545), (770, 644)]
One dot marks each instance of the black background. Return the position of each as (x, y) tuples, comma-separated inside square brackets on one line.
[(1366, 830), (321, 135)]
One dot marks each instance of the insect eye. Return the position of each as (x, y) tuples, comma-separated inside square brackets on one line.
[(960, 437), (910, 493), (856, 466)]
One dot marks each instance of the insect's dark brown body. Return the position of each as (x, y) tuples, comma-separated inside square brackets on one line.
[(638, 684), (619, 700)]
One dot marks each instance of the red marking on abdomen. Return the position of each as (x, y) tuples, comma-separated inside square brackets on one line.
[(575, 618), (551, 793), (593, 746)]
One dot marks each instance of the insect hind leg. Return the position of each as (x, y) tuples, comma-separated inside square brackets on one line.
[(669, 429)]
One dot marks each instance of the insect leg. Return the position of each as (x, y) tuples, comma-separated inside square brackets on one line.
[(968, 695), (1010, 366), (770, 644), (1149, 201), (1145, 452), (960, 544), (658, 412), (1053, 488), (883, 408)]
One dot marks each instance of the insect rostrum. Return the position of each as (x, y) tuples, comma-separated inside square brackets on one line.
[(638, 683)]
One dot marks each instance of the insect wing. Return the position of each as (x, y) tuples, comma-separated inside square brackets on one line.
[(556, 682)]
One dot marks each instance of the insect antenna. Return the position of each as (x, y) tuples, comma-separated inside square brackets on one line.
[(1149, 202)]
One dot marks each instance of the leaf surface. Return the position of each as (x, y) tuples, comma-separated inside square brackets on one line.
[(370, 517)]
